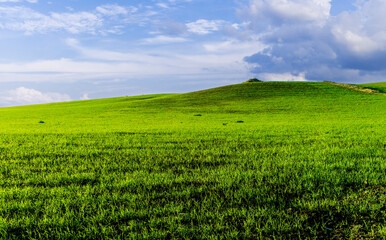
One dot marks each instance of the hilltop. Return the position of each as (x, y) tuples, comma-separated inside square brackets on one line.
[(287, 99)]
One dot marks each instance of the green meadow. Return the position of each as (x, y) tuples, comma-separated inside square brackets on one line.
[(270, 160), (381, 87)]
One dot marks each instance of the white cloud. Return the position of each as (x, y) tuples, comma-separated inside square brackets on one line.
[(111, 10), (349, 47), (98, 64), (85, 97), (356, 42), (105, 55), (24, 96), (203, 26), (164, 40), (103, 19), (30, 21), (283, 77), (361, 31), (75, 22), (162, 5), (233, 46), (279, 12), (14, 1)]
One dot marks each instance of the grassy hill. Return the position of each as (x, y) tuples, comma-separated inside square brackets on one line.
[(252, 160), (381, 86)]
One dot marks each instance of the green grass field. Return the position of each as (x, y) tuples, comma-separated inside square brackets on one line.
[(376, 86), (272, 160)]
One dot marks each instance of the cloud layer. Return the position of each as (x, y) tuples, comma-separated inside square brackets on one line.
[(103, 19), (303, 38)]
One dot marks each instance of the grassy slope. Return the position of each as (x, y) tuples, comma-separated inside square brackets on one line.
[(381, 86), (243, 161)]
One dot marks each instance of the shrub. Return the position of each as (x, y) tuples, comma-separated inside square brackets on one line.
[(253, 80)]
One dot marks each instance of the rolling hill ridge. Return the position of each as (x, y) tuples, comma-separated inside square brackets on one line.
[(247, 161), (247, 98)]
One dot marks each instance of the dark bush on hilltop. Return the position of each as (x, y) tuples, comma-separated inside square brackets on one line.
[(253, 80)]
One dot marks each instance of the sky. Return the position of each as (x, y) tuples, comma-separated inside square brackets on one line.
[(54, 51)]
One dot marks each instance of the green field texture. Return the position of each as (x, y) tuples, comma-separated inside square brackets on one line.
[(269, 160), (381, 86)]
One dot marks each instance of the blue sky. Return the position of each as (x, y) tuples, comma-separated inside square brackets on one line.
[(75, 49)]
